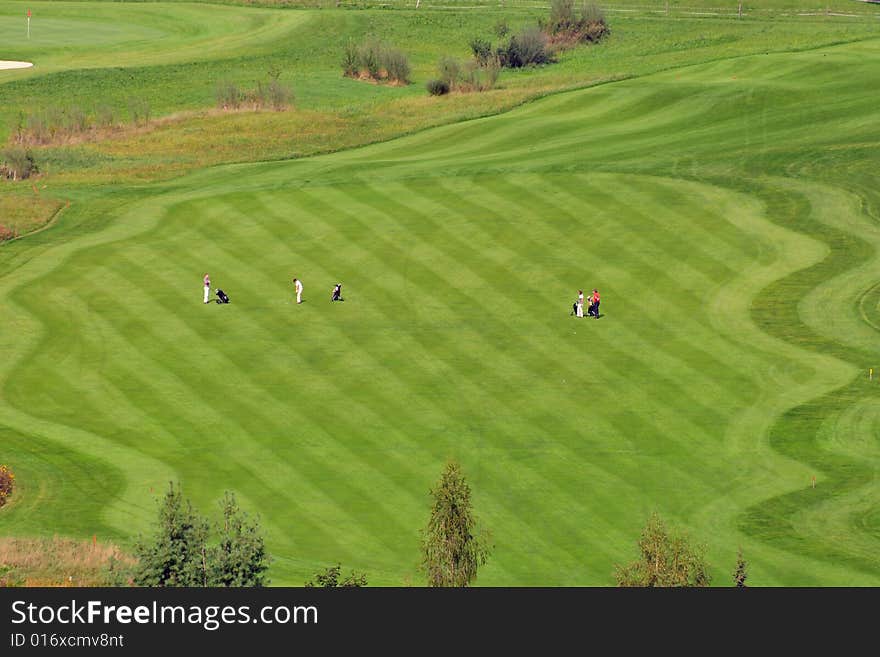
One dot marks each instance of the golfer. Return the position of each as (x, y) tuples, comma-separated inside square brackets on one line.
[(594, 302), (207, 289), (298, 286), (580, 310)]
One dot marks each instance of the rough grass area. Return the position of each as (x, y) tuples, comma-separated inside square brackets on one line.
[(59, 562), (22, 213)]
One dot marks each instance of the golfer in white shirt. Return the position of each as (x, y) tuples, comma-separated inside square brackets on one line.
[(297, 284)]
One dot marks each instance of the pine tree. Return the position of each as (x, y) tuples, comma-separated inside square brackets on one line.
[(240, 559), (452, 549), (329, 579), (175, 555)]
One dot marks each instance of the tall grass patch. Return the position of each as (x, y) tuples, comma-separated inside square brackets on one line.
[(60, 562)]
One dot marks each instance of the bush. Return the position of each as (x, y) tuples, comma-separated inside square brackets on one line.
[(561, 15), (592, 13), (229, 95), (7, 483), (588, 25), (350, 60), (274, 94), (376, 61), (396, 66), (592, 25), (278, 96), (18, 164), (527, 48), (485, 77), (469, 75), (370, 57), (449, 70), (7, 233), (437, 87), (502, 29), (482, 50)]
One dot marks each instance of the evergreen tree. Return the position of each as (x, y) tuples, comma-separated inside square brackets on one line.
[(452, 550), (329, 579), (176, 554), (666, 560), (240, 558)]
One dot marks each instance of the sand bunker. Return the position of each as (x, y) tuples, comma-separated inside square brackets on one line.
[(6, 64)]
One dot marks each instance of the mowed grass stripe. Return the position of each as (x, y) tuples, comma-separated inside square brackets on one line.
[(415, 421), (385, 203), (544, 484), (229, 419)]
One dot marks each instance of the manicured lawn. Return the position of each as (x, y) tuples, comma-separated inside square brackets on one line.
[(726, 211)]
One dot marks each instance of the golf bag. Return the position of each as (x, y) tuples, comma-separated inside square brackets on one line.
[(222, 298), (574, 308), (337, 293)]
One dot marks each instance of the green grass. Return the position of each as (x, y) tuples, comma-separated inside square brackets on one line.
[(726, 210), (202, 47)]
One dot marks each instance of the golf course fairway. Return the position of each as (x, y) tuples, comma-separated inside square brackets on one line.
[(728, 214)]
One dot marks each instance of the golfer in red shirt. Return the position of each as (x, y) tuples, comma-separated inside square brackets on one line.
[(594, 301)]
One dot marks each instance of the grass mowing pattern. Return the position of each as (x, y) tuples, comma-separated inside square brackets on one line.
[(728, 221)]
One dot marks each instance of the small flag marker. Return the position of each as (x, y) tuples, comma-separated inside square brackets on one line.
[(814, 481), (29, 23)]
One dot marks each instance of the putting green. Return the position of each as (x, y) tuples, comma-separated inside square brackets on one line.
[(75, 35), (727, 213)]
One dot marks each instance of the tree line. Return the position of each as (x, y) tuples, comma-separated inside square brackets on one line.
[(187, 549)]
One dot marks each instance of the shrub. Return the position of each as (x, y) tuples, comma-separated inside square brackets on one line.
[(592, 13), (485, 77), (592, 24), (350, 60), (18, 164), (527, 48), (437, 87), (7, 483), (370, 57), (561, 15), (502, 29), (482, 50), (229, 95), (376, 61), (567, 28), (274, 94), (279, 96), (449, 70), (396, 65), (7, 233)]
